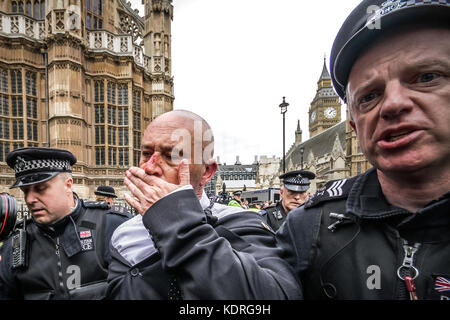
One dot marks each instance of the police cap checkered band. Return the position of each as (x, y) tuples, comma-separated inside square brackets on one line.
[(34, 165), (372, 19), (22, 165), (298, 181)]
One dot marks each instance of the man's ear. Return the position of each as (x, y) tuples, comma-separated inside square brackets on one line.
[(210, 169), (69, 184)]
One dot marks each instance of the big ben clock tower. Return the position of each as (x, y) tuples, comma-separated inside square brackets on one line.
[(325, 110)]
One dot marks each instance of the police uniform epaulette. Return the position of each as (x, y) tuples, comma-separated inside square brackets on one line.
[(120, 210), (270, 208), (333, 190), (96, 204)]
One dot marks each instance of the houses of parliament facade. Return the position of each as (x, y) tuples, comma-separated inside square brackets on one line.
[(83, 75)]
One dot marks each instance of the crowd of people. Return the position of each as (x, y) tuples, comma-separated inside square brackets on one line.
[(383, 234)]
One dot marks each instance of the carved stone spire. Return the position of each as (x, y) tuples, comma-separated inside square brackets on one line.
[(298, 134)]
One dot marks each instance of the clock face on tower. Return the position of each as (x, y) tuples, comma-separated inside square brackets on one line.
[(330, 112), (313, 116)]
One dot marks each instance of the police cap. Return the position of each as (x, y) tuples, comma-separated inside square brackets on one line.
[(35, 165), (237, 193), (297, 181), (372, 19), (106, 191)]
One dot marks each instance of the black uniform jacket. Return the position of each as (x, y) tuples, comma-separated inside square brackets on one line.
[(275, 215), (67, 260), (234, 257), (348, 242)]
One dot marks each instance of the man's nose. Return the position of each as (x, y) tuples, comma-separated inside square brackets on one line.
[(152, 166), (30, 197), (397, 101)]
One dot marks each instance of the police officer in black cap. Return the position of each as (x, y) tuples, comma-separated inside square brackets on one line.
[(108, 194), (65, 251), (294, 192), (385, 234), (105, 193)]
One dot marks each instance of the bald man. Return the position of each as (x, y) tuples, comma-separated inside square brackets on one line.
[(181, 246)]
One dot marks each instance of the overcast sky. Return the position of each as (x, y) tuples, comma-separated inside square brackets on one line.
[(234, 60)]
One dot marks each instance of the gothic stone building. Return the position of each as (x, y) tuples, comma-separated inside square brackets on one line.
[(87, 76), (236, 176)]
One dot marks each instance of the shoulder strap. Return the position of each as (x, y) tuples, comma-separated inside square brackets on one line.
[(96, 204), (119, 210), (333, 190)]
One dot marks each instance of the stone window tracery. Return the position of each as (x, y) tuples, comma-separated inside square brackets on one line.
[(35, 9), (128, 25)]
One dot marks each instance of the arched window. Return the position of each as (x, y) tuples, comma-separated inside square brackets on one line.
[(16, 81), (42, 9), (14, 7), (20, 6), (94, 18), (37, 10), (28, 9)]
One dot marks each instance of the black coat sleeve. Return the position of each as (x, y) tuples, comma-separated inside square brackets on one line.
[(295, 237), (206, 265), (111, 224)]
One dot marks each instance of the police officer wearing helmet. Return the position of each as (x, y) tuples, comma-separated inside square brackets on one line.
[(385, 234), (294, 193), (66, 250)]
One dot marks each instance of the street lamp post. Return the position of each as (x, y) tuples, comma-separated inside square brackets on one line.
[(283, 106)]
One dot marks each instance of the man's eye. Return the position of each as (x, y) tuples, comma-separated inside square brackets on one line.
[(368, 97), (40, 188), (427, 77), (170, 156), (176, 154), (367, 101)]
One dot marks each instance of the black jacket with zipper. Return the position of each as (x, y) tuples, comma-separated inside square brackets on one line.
[(348, 242), (66, 260), (226, 254)]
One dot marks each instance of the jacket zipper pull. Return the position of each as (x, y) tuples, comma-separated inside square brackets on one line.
[(409, 269)]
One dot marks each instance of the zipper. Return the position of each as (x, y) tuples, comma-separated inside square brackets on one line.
[(59, 264), (407, 272)]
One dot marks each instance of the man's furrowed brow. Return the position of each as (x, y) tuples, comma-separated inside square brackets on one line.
[(166, 148), (160, 148), (146, 147)]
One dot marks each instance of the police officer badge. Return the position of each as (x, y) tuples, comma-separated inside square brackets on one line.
[(86, 240)]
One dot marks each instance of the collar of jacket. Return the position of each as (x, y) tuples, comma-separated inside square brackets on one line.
[(280, 207), (367, 201)]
